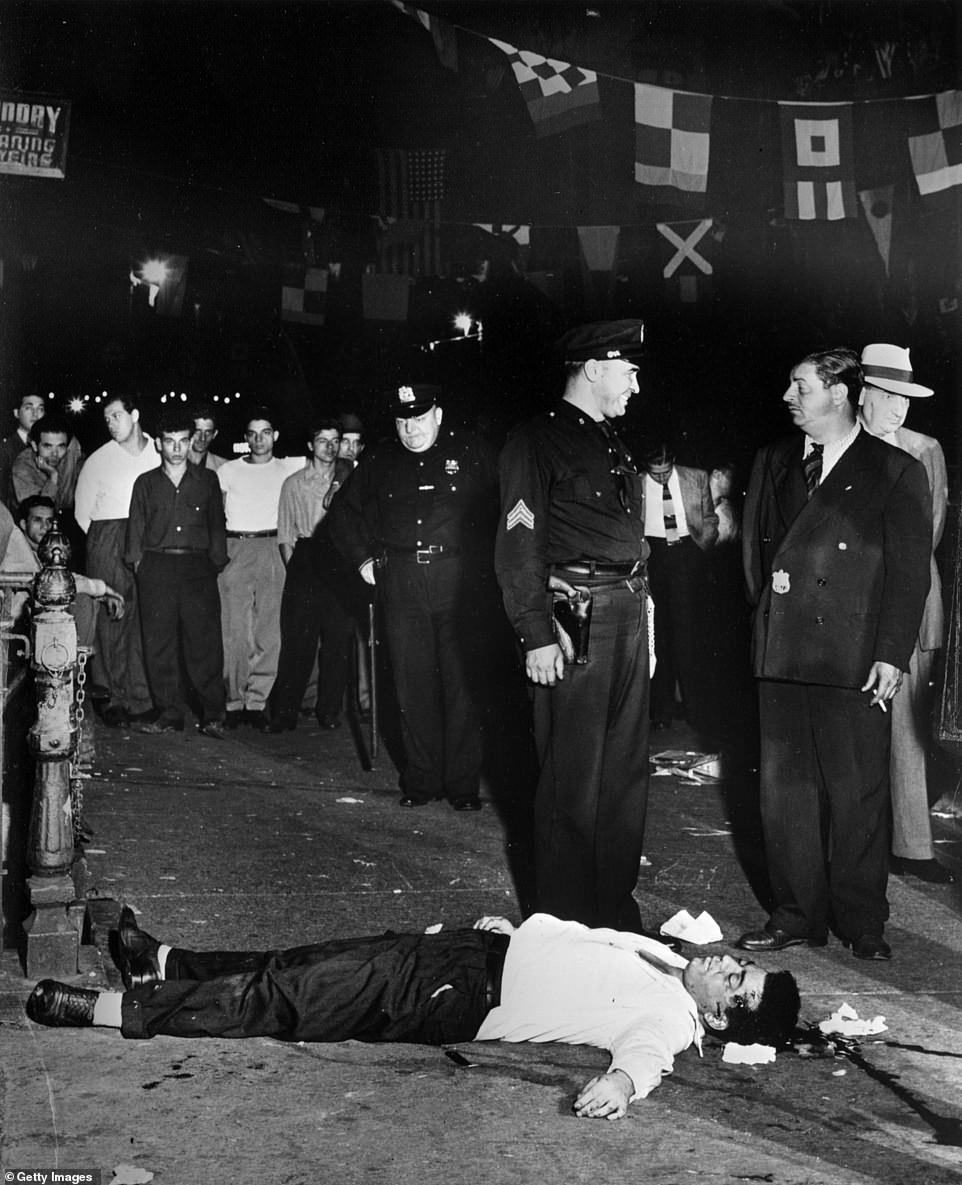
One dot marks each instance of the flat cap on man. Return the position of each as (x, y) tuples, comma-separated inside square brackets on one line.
[(603, 340), (413, 399)]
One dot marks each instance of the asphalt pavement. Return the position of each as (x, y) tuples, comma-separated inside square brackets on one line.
[(265, 840)]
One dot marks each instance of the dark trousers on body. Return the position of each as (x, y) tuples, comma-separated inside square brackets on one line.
[(434, 622), (312, 612), (180, 618), (678, 576), (118, 664), (591, 732), (825, 808), (424, 988)]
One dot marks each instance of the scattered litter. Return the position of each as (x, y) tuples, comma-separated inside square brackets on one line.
[(839, 1073), (395, 890), (95, 851), (130, 1174), (167, 878), (702, 768), (133, 769), (845, 1021), (700, 930), (363, 863), (435, 929), (748, 1055), (357, 800)]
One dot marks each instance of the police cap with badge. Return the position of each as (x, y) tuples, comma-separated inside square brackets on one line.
[(413, 399), (603, 340)]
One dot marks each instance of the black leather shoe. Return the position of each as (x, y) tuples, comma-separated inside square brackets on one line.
[(258, 719), (61, 1006), (282, 724), (930, 871), (136, 953), (114, 716), (407, 800), (772, 939), (466, 804), (213, 728), (234, 718), (328, 722), (869, 947)]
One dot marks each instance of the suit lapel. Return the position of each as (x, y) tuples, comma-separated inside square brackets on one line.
[(829, 497)]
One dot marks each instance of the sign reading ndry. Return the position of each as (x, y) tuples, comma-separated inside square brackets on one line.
[(33, 134)]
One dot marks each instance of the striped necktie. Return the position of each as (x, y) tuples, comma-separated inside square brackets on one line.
[(812, 465), (668, 513)]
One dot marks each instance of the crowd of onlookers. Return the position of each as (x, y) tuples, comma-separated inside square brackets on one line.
[(204, 584)]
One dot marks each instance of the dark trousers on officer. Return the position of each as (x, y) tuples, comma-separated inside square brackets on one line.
[(311, 613), (180, 618), (825, 808), (433, 620), (118, 662), (591, 732), (678, 576), (424, 988)]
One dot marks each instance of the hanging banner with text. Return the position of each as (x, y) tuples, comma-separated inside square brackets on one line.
[(33, 134)]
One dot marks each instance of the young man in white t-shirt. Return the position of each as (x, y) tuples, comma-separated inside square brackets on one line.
[(252, 583)]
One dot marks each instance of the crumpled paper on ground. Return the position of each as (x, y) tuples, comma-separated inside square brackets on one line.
[(701, 768), (700, 930), (845, 1021), (748, 1055)]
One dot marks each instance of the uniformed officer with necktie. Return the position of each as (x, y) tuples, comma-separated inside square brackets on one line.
[(572, 527)]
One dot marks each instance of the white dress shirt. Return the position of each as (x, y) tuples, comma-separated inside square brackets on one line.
[(654, 502), (564, 982)]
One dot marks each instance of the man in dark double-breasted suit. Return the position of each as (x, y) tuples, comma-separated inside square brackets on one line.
[(837, 532)]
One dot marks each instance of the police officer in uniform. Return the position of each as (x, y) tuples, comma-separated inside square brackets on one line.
[(417, 519), (572, 526)]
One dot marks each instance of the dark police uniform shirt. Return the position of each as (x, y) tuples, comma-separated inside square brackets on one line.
[(164, 516), (400, 501), (569, 492)]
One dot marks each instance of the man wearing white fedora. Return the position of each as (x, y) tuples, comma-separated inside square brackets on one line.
[(883, 405)]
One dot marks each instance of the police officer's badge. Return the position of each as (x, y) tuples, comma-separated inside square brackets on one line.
[(451, 466), (781, 582)]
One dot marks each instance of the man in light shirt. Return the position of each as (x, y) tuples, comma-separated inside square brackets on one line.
[(680, 526), (546, 980), (101, 508), (252, 584), (311, 612)]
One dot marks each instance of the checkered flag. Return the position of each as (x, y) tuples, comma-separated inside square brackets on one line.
[(559, 96), (937, 152), (304, 296), (672, 142)]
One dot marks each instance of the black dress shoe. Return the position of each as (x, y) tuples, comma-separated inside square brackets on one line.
[(408, 800), (61, 1006), (930, 871), (282, 724), (466, 804), (258, 719), (771, 939), (233, 718), (328, 721), (869, 947), (114, 716), (136, 953)]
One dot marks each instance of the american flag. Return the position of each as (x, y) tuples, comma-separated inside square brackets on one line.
[(410, 189)]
